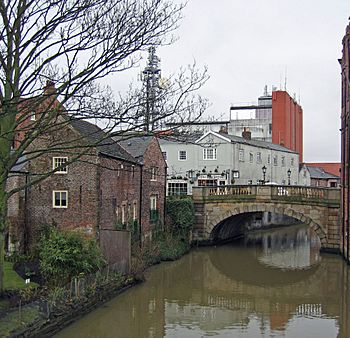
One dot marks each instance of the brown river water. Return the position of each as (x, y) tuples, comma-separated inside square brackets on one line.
[(273, 283)]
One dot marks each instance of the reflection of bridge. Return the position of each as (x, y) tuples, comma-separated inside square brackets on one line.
[(217, 208)]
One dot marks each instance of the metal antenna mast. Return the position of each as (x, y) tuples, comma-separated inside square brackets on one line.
[(150, 77)]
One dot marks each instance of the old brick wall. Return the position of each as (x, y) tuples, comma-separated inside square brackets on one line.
[(153, 158), (119, 188), (80, 182)]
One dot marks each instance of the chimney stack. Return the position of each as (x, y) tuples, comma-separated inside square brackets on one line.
[(223, 130), (50, 88), (246, 134)]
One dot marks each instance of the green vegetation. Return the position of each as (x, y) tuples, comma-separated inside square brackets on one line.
[(12, 280), (168, 243), (67, 254), (17, 320), (181, 213)]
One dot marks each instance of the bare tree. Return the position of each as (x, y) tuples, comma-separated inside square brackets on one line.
[(74, 44)]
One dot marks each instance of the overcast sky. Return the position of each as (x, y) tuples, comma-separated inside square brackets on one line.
[(248, 44)]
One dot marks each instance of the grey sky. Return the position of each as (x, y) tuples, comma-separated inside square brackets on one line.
[(248, 44)]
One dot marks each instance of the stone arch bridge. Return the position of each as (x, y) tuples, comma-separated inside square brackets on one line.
[(317, 207)]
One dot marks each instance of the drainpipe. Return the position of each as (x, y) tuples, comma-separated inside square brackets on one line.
[(164, 204), (348, 159), (26, 213), (141, 207)]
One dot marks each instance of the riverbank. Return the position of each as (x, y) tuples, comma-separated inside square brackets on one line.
[(58, 308)]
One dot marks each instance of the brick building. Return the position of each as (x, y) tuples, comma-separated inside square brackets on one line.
[(106, 189), (149, 155), (287, 122), (345, 146), (321, 178), (277, 118), (100, 191)]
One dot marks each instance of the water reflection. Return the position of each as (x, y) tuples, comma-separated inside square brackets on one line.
[(238, 290), (296, 247)]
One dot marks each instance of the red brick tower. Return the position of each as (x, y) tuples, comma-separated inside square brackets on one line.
[(287, 122)]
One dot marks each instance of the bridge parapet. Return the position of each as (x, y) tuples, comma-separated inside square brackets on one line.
[(288, 193)]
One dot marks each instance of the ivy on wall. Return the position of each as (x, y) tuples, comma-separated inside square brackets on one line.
[(180, 210)]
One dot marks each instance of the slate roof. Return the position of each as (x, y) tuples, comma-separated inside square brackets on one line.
[(20, 165), (135, 145), (192, 138), (104, 144), (320, 174), (258, 143)]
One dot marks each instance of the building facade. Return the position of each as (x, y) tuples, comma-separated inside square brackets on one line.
[(277, 118), (146, 150), (345, 146), (219, 159), (104, 190)]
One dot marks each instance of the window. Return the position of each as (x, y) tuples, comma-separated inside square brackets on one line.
[(207, 182), (292, 162), (275, 160), (251, 157), (164, 155), (283, 161), (235, 173), (258, 158), (153, 173), (132, 171), (60, 162), (268, 159), (134, 211), (154, 214), (177, 188), (241, 155), (209, 153), (153, 202), (182, 155), (120, 168), (60, 199), (123, 214)]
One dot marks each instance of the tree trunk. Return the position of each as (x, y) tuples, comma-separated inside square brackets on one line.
[(2, 254), (3, 217)]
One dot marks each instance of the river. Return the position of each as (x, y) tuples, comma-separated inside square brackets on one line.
[(273, 283)]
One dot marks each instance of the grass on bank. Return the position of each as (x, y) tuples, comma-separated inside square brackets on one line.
[(12, 280)]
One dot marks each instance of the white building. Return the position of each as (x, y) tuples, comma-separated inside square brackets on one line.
[(218, 159)]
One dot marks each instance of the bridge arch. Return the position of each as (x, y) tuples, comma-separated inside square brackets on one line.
[(287, 210)]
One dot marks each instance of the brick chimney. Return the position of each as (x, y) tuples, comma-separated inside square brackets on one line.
[(50, 88), (246, 134)]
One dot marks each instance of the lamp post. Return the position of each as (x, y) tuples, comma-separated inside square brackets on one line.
[(264, 174), (288, 173)]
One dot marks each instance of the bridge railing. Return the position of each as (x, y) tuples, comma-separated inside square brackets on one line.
[(278, 192), (232, 190)]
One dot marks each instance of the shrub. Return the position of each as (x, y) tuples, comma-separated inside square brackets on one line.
[(64, 255), (181, 213)]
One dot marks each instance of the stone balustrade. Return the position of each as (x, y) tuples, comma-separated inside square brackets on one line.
[(272, 192)]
